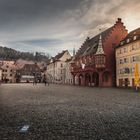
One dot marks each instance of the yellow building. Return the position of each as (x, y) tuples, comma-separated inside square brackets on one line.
[(127, 56)]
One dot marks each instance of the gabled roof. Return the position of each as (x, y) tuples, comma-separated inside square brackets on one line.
[(57, 57), (31, 65), (90, 45), (20, 63)]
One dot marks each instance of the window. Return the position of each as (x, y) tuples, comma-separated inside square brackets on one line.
[(89, 59), (85, 60), (100, 60), (61, 65), (125, 60), (121, 61), (122, 42), (135, 37), (132, 47), (131, 70), (133, 59), (127, 71), (87, 50), (125, 50), (128, 40)]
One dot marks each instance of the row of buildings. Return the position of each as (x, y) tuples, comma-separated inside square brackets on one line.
[(21, 71), (106, 60)]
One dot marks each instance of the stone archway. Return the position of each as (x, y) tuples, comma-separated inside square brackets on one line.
[(76, 80), (95, 79), (87, 79), (81, 79), (106, 79)]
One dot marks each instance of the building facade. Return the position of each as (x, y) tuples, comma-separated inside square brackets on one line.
[(69, 76), (29, 73), (94, 63), (56, 68), (8, 72), (0, 74), (127, 56)]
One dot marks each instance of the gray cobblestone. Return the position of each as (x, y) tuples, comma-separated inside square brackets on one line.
[(59, 112)]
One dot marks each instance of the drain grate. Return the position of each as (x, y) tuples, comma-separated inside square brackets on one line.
[(24, 129)]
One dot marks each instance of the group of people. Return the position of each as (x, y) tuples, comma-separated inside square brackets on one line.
[(45, 81)]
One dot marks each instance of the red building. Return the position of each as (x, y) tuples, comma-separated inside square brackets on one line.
[(94, 63)]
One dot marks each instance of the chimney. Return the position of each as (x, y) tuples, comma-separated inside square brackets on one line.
[(119, 19)]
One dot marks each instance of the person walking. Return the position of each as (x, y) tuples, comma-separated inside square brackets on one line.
[(45, 82), (48, 82)]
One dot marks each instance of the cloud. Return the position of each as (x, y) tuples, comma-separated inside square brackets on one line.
[(53, 25)]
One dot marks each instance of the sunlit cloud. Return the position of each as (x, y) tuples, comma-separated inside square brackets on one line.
[(56, 25)]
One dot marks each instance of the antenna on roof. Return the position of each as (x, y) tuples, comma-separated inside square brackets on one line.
[(100, 30)]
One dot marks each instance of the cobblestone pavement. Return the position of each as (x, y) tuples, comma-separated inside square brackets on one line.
[(59, 112)]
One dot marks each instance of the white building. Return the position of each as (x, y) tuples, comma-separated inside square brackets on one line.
[(56, 68), (69, 76)]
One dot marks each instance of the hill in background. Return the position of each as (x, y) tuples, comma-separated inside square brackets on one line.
[(11, 54)]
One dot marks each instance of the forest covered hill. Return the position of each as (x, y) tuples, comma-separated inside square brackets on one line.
[(11, 54)]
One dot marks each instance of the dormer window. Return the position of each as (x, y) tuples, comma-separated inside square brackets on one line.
[(122, 43), (128, 40), (135, 37)]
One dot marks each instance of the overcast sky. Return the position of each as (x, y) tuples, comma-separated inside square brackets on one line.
[(54, 25)]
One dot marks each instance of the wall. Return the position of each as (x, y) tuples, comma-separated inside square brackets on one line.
[(128, 64)]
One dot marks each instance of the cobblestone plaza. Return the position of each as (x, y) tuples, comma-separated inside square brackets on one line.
[(59, 112)]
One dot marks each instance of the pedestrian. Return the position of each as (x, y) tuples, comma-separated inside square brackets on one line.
[(48, 82), (34, 82), (45, 82)]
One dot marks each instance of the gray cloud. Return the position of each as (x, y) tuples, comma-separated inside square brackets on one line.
[(52, 25)]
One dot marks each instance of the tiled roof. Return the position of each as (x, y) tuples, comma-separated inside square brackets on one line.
[(90, 45), (11, 66), (57, 57), (130, 36), (68, 60), (20, 63)]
